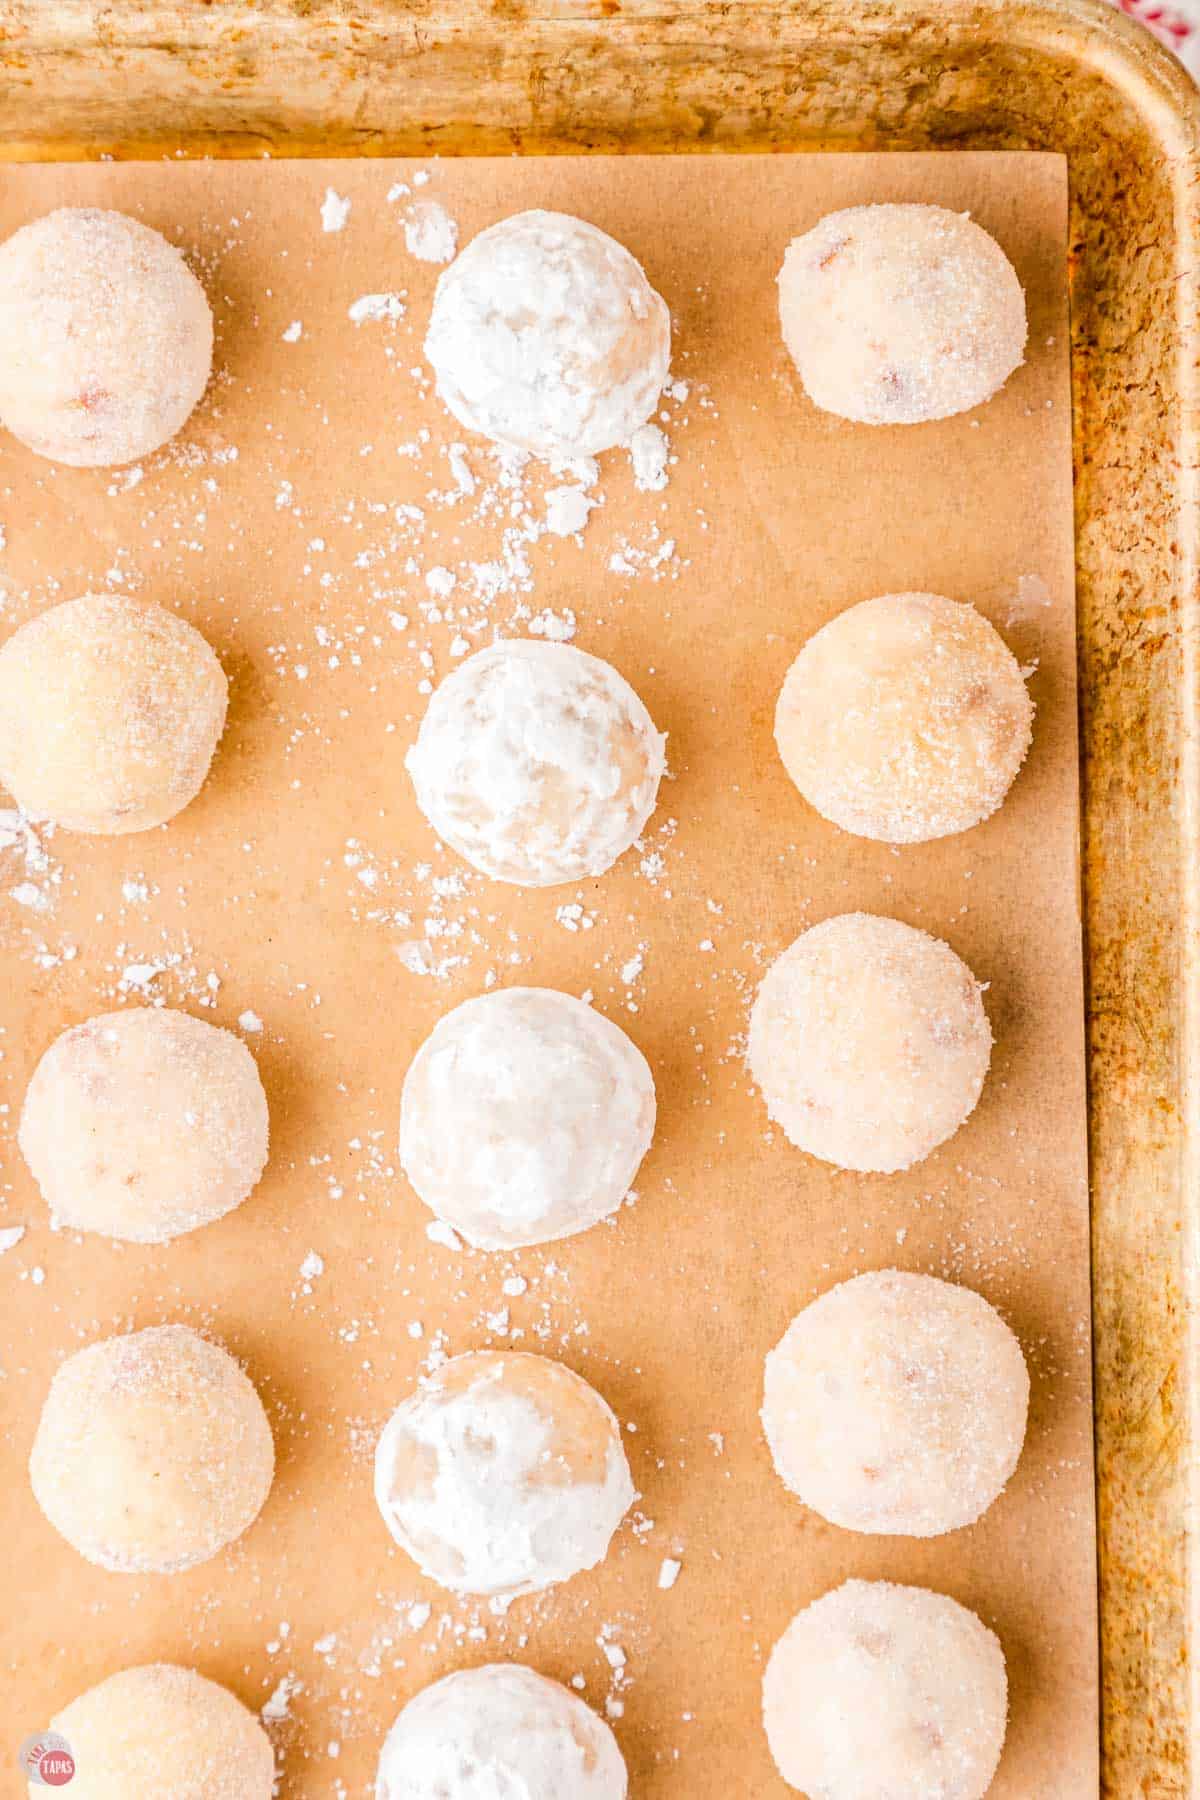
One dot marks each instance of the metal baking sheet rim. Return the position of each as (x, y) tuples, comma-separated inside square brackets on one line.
[(283, 77)]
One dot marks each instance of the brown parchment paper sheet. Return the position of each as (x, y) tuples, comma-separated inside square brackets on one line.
[(776, 517)]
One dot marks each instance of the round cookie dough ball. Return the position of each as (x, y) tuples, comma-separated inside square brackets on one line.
[(524, 1117), (870, 1042), (877, 1692), (106, 337), (905, 718), (496, 1731), (537, 763), (144, 1124), (110, 710), (897, 1403), (152, 1452), (546, 335), (898, 314), (503, 1474), (160, 1730)]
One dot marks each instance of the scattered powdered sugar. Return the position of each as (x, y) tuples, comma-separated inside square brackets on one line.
[(22, 846), (10, 1237), (293, 333), (430, 234), (278, 1706), (559, 627)]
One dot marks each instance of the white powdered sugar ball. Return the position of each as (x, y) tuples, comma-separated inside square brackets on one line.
[(110, 711), (504, 1474), (869, 1041), (546, 335), (524, 1117), (537, 762), (106, 337), (161, 1730), (144, 1124), (897, 1403), (878, 1692), (899, 314), (905, 718), (152, 1451), (499, 1731)]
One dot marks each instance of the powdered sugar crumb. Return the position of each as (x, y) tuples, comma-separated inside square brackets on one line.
[(648, 450), (430, 234), (567, 510), (372, 308), (335, 210)]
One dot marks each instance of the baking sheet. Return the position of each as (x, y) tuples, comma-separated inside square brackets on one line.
[(304, 881)]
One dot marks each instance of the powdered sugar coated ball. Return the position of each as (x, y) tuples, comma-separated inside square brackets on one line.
[(496, 1731), (144, 1124), (546, 335), (870, 1042), (110, 710), (905, 718), (152, 1452), (899, 314), (537, 763), (878, 1692), (503, 1474), (161, 1730), (524, 1117), (897, 1403), (106, 337)]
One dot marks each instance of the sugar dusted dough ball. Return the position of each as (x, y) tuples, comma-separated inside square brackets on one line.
[(897, 1403), (524, 1117), (537, 763), (158, 1731), (878, 1692), (496, 1731), (905, 718), (899, 314), (144, 1124), (110, 710), (106, 337), (152, 1452), (870, 1042), (546, 335), (504, 1474)]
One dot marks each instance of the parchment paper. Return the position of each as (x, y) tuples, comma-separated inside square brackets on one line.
[(303, 878)]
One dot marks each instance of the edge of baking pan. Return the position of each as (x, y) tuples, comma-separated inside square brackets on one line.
[(252, 77)]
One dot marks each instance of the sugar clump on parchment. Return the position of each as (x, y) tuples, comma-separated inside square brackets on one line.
[(430, 233), (335, 210)]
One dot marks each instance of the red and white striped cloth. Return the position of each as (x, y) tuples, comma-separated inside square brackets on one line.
[(1175, 23)]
